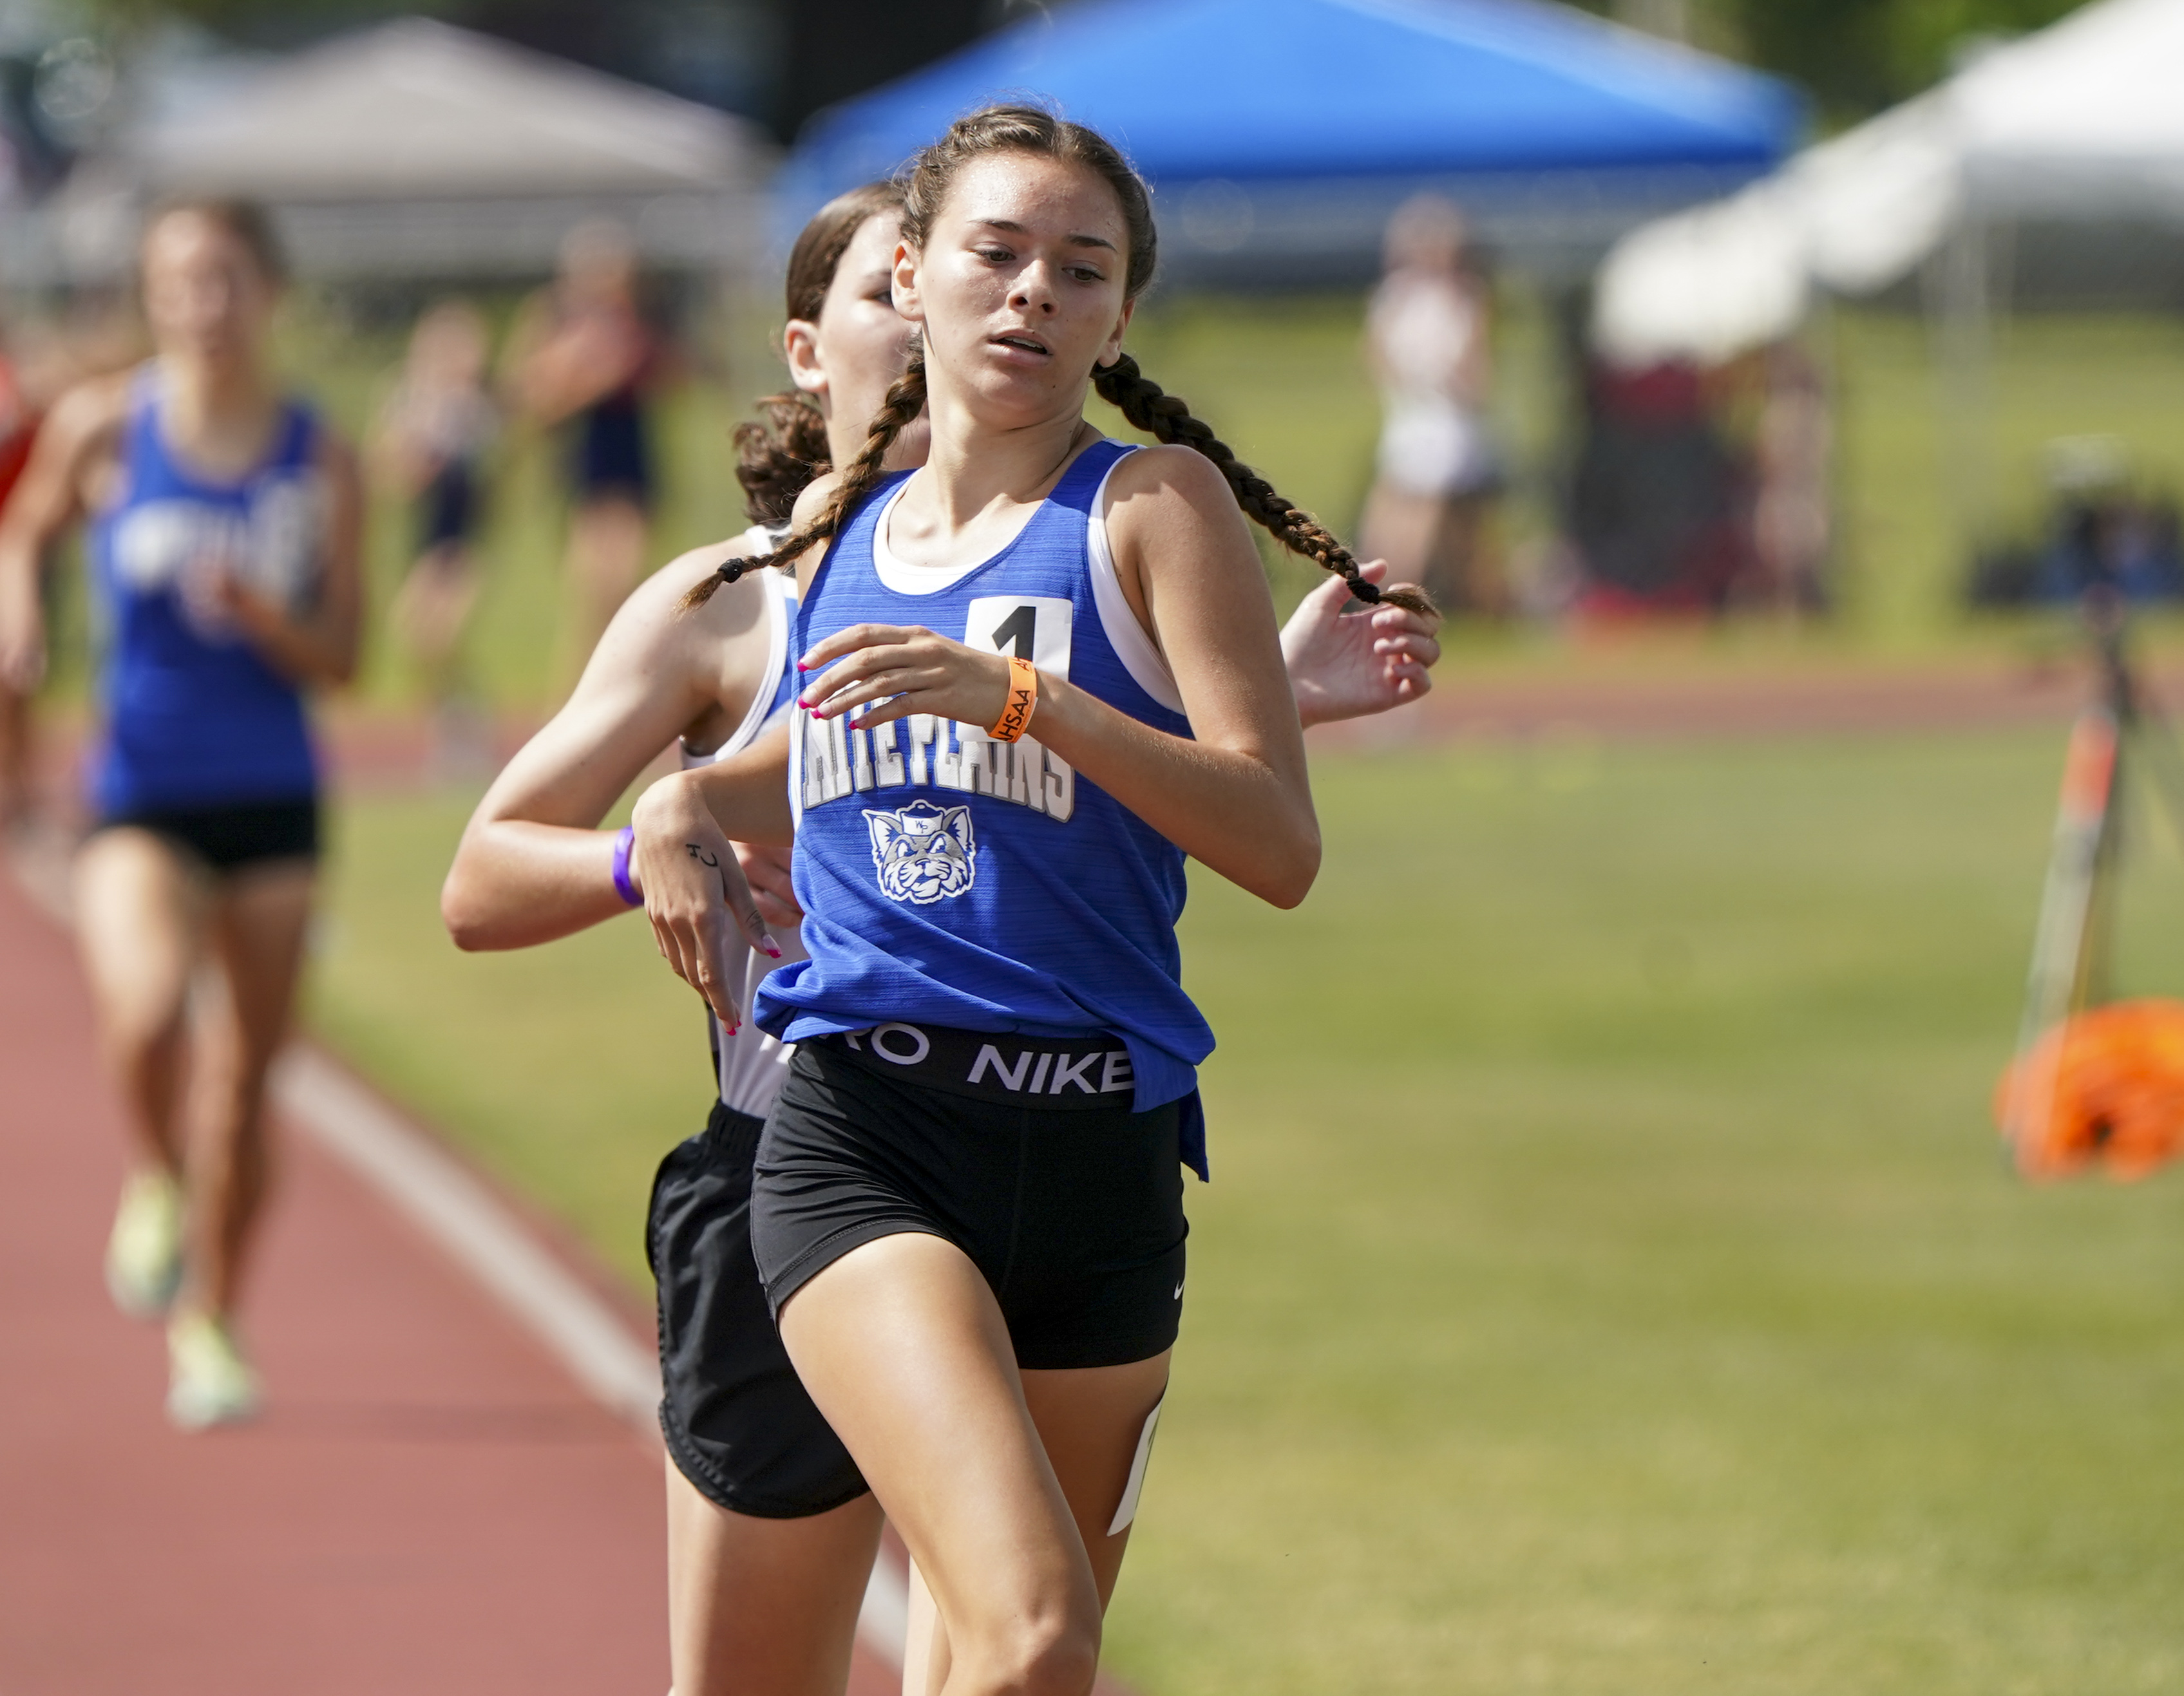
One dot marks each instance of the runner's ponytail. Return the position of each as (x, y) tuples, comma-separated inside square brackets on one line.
[(777, 455)]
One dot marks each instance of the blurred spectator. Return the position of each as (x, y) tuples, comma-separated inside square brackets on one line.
[(19, 424), (2100, 531), (582, 354), (1792, 511), (429, 445), (1429, 340), (1660, 503), (1704, 491)]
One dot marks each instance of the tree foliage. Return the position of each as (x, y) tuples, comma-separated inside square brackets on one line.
[(1857, 56)]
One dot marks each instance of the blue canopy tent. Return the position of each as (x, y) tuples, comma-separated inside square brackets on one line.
[(1280, 133)]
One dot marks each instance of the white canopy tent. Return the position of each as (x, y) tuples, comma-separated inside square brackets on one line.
[(418, 150), (2081, 124)]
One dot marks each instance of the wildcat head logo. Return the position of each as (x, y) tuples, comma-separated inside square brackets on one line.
[(923, 852)]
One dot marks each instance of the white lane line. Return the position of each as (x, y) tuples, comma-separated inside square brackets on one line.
[(470, 1226), (467, 1222)]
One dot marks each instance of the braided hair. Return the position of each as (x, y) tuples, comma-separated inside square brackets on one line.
[(924, 185), (1166, 417), (906, 400)]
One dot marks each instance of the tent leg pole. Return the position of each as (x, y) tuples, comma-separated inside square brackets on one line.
[(1960, 316)]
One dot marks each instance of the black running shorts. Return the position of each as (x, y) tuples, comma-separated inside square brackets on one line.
[(1072, 1207), (735, 1415), (233, 837)]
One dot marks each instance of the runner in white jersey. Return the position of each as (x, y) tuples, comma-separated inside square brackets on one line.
[(771, 1531), (747, 1064)]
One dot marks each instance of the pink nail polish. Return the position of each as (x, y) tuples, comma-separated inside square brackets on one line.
[(773, 953)]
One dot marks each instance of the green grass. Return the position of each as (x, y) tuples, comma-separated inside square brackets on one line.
[(1608, 1284)]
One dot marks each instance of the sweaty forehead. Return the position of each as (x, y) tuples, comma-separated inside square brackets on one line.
[(1048, 196), (874, 245)]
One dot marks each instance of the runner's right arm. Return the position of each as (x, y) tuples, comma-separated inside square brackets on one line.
[(533, 864), (694, 891)]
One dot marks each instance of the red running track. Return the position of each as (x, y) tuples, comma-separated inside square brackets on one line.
[(429, 1505)]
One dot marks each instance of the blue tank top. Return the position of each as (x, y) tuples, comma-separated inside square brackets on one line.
[(951, 880), (194, 716)]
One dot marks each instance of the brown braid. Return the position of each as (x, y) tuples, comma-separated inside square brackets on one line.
[(1166, 417), (778, 453), (903, 402)]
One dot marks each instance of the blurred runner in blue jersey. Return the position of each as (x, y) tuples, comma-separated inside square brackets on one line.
[(223, 521)]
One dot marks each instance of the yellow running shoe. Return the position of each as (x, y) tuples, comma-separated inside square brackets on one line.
[(144, 1254), (208, 1381)]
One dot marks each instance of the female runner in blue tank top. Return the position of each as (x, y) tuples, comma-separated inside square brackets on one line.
[(224, 523), (766, 1562), (967, 1209)]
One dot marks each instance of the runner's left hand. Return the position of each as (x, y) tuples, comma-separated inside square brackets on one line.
[(906, 669), (244, 607), (1349, 661)]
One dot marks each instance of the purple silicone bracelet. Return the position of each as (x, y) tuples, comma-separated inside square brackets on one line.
[(625, 839)]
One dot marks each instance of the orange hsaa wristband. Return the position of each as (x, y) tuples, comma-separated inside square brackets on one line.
[(1023, 696)]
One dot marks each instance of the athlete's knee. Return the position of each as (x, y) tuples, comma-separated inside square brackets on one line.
[(240, 1130), (239, 1048), (1056, 1656), (248, 1071), (144, 1034), (1061, 1662), (144, 1017)]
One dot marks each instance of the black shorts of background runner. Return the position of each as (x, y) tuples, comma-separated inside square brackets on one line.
[(227, 839), (611, 451), (448, 509), (735, 1418), (1073, 1215)]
